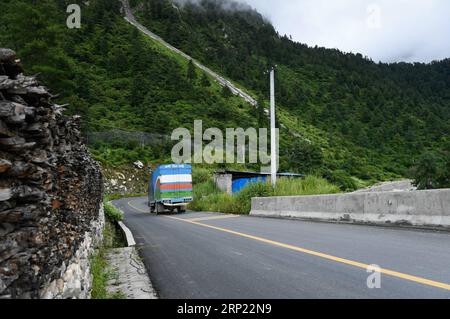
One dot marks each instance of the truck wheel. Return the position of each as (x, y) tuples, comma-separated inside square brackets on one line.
[(181, 210), (159, 209)]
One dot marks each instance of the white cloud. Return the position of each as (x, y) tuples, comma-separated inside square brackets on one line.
[(385, 30)]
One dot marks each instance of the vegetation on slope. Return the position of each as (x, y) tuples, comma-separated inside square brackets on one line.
[(116, 78), (378, 118), (343, 117), (432, 169)]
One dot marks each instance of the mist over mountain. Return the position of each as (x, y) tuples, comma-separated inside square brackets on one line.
[(224, 5), (385, 30)]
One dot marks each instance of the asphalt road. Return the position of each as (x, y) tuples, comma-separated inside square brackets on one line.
[(214, 256)]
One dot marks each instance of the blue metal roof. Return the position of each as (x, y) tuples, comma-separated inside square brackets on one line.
[(237, 174)]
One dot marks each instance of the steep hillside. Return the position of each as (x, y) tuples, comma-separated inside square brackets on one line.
[(341, 115), (117, 79), (387, 114)]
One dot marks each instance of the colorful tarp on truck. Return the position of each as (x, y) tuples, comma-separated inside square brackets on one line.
[(171, 184)]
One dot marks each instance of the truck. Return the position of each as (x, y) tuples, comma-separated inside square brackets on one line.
[(170, 188)]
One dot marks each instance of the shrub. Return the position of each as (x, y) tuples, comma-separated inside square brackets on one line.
[(432, 171), (341, 179), (201, 175), (113, 213), (244, 197)]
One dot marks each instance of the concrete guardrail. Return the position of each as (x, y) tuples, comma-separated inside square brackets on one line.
[(416, 208)]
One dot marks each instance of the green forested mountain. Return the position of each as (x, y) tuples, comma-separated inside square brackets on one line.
[(113, 76), (358, 120), (398, 111)]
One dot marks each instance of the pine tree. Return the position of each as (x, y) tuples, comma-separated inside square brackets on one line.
[(226, 92), (205, 81), (191, 73), (261, 113)]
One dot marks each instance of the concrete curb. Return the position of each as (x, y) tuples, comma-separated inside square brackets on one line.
[(125, 230), (128, 235)]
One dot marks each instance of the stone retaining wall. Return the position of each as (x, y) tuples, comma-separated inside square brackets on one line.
[(50, 192)]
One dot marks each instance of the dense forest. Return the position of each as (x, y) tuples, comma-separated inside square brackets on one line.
[(398, 110), (342, 115), (114, 77)]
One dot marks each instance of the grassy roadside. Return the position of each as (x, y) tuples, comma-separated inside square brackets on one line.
[(101, 270), (208, 198)]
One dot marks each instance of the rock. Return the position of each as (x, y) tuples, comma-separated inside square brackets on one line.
[(12, 141), (5, 229), (60, 286), (18, 112), (39, 157), (8, 248), (28, 194), (7, 55), (7, 204), (9, 64), (6, 108), (29, 90), (35, 128), (10, 216), (5, 194), (21, 169), (2, 286), (22, 147), (5, 131), (30, 112), (5, 165), (138, 165), (6, 82)]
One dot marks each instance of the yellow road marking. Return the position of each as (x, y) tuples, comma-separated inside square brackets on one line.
[(138, 209), (388, 272), (193, 219), (201, 219)]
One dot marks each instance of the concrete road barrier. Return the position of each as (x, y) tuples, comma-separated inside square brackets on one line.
[(417, 208)]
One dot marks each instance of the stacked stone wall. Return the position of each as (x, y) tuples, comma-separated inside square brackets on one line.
[(51, 215)]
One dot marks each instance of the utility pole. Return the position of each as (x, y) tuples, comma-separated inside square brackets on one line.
[(273, 130)]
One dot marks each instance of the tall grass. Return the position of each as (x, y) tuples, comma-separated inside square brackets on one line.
[(112, 213), (208, 198), (309, 185)]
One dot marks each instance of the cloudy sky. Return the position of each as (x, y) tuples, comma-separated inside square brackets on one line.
[(385, 30)]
